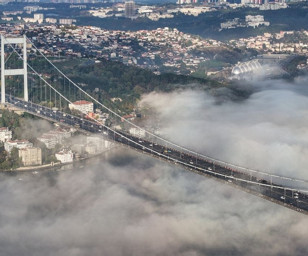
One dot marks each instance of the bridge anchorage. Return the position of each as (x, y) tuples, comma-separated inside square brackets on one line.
[(51, 100)]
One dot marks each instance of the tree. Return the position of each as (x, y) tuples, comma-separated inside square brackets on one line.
[(15, 159)]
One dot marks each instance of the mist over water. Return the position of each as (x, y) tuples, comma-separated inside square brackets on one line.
[(130, 204)]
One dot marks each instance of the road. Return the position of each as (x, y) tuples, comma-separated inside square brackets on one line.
[(274, 192)]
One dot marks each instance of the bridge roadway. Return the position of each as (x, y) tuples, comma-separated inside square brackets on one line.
[(293, 199)]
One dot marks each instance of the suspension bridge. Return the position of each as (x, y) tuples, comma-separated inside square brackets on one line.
[(49, 97)]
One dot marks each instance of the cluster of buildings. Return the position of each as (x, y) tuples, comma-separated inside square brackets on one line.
[(129, 9), (276, 42), (31, 155), (39, 18), (163, 49), (28, 154), (91, 145), (187, 1), (87, 109), (250, 21)]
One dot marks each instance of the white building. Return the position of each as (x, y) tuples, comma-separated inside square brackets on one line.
[(30, 156), (60, 134), (66, 21), (83, 106), (54, 137), (51, 20), (255, 20), (38, 17), (5, 134), (20, 144), (65, 156), (50, 141), (32, 8), (137, 132)]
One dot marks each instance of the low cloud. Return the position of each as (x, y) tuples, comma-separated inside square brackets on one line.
[(130, 204), (267, 131)]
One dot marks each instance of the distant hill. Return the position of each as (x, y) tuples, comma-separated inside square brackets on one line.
[(207, 25)]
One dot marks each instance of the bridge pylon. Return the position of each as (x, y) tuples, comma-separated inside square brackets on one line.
[(14, 72)]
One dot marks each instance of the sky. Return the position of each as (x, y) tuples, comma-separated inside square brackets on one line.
[(127, 203)]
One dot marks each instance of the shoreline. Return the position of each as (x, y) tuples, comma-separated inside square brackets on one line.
[(55, 165)]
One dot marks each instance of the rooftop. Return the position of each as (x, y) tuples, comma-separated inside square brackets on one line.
[(82, 102)]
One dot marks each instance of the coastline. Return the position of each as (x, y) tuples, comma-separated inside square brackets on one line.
[(56, 165)]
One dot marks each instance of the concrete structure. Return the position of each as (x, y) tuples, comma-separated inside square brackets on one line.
[(49, 140), (5, 134), (255, 20), (65, 156), (30, 156), (51, 20), (38, 17), (83, 106), (31, 8), (137, 132), (246, 67), (14, 72), (20, 144), (54, 137), (66, 21), (129, 9)]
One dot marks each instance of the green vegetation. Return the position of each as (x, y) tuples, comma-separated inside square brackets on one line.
[(291, 66), (9, 161), (108, 79)]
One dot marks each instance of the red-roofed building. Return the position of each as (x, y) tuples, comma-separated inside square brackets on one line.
[(83, 106)]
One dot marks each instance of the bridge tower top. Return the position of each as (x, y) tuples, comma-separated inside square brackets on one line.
[(14, 72)]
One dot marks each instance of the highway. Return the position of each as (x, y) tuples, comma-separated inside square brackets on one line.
[(293, 199)]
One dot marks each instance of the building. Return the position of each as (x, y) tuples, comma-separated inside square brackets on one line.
[(60, 134), (32, 8), (30, 156), (66, 21), (20, 144), (230, 24), (137, 132), (52, 138), (96, 144), (50, 141), (255, 20), (65, 156), (83, 106), (38, 17), (7, 18), (51, 20), (129, 9), (5, 134)]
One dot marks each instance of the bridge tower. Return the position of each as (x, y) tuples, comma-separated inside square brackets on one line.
[(14, 72)]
